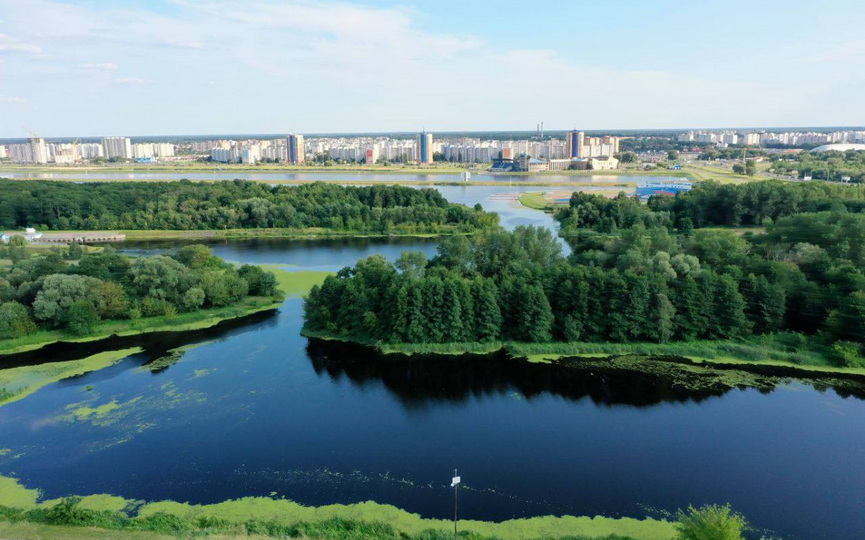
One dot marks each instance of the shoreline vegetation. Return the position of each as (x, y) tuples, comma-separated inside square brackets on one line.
[(706, 358), (672, 278), (291, 284), (24, 515), (72, 296), (182, 322)]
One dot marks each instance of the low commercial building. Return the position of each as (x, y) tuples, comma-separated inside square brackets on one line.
[(606, 163)]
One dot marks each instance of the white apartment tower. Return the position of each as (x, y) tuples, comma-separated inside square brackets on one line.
[(120, 147)]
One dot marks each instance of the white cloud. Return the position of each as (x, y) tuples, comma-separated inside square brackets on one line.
[(103, 66), (345, 66), (181, 44), (135, 81), (11, 45), (11, 99)]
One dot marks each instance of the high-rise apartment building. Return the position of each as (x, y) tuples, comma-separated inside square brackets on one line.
[(424, 147), (120, 147), (38, 150), (294, 146), (574, 144)]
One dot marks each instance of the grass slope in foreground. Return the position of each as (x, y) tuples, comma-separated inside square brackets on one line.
[(22, 515)]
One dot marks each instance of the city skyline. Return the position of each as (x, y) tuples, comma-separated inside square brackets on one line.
[(85, 68)]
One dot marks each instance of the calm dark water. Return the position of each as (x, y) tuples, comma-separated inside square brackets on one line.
[(252, 408)]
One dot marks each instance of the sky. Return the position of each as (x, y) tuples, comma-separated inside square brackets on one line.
[(173, 67)]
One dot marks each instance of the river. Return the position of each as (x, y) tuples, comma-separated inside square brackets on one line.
[(372, 178), (251, 408)]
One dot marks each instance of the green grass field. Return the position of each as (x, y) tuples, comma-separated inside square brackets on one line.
[(295, 284), (536, 200)]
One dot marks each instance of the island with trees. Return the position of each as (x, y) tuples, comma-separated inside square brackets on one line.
[(67, 295), (767, 271), (319, 208)]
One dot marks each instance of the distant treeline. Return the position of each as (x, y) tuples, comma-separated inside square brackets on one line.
[(642, 283), (237, 204), (823, 165), (74, 291), (709, 204)]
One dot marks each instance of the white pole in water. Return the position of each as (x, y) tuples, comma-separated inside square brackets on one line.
[(455, 484)]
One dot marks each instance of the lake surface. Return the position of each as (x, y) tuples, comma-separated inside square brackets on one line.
[(288, 178), (253, 408)]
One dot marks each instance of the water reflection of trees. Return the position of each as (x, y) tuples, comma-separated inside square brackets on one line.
[(419, 380), (155, 345)]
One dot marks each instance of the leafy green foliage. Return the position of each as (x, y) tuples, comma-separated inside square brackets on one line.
[(239, 204), (82, 317), (15, 321), (711, 522), (636, 274), (108, 286)]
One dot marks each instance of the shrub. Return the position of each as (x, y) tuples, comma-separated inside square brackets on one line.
[(82, 318), (153, 307), (846, 354), (15, 321), (193, 299), (710, 522)]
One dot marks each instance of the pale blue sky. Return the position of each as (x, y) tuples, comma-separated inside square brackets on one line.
[(136, 67)]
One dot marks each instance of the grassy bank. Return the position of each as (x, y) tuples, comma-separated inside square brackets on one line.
[(536, 201), (181, 322), (295, 284), (793, 352), (203, 234), (291, 284), (21, 512)]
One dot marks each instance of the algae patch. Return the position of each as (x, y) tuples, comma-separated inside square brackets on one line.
[(19, 382), (280, 511)]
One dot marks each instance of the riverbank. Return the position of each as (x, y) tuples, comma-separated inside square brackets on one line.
[(761, 356), (182, 322), (199, 234), (290, 285), (351, 182), (24, 515), (335, 170)]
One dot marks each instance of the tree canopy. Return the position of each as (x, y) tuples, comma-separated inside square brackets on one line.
[(51, 292), (237, 204)]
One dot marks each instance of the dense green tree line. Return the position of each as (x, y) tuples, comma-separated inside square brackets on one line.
[(709, 204), (638, 284), (54, 292), (823, 165), (234, 204)]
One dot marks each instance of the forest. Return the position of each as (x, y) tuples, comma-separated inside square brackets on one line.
[(709, 204), (72, 291), (237, 204), (636, 274)]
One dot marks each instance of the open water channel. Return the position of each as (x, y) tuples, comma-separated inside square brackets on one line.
[(251, 408)]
